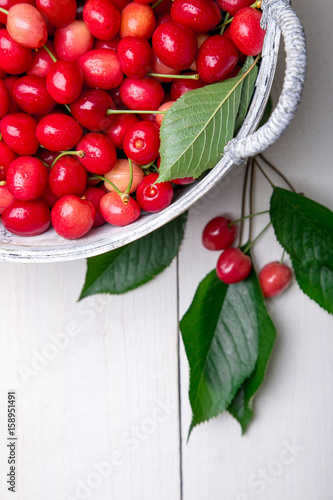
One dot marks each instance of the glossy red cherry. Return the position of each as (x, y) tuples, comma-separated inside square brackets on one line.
[(157, 66), (94, 195), (107, 44), (72, 217), (233, 6), (41, 61), (142, 142), (49, 198), (164, 107), (26, 26), (274, 278), (31, 95), (47, 156), (67, 176), (120, 176), (102, 18), (72, 41), (181, 86), (7, 4), (175, 45), (27, 178), (141, 93), (137, 20), (199, 15), (90, 110), (100, 153), (6, 157), (4, 100), (120, 125), (64, 82), (27, 218), (9, 82), (246, 32), (58, 132), (154, 197), (101, 68), (218, 234), (57, 12), (6, 197), (135, 56), (115, 212), (14, 58), (184, 181), (233, 266), (18, 130), (217, 57)]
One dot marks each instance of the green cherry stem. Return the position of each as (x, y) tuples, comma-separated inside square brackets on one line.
[(3, 183), (248, 165), (80, 154), (4, 11), (123, 196), (156, 4), (128, 189), (146, 167), (133, 111), (251, 243), (175, 77), (252, 174), (54, 59), (282, 258), (227, 17), (247, 217)]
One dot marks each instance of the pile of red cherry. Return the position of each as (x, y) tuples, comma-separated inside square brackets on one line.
[(83, 89)]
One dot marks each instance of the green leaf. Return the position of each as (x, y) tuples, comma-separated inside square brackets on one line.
[(247, 93), (305, 229), (197, 127), (134, 264), (221, 333), (242, 405)]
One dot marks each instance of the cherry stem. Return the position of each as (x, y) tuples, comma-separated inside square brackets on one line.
[(175, 77), (133, 111), (4, 11), (3, 183), (251, 243), (145, 167), (123, 196), (80, 154), (156, 4), (243, 200), (227, 17), (54, 59), (264, 173), (273, 167), (127, 190), (251, 198), (282, 258), (247, 217)]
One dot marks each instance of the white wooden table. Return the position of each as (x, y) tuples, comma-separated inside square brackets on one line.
[(102, 385)]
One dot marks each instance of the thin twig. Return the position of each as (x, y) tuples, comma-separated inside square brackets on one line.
[(251, 199), (246, 175), (263, 172), (278, 171)]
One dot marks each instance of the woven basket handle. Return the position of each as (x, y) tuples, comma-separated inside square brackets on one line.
[(239, 149)]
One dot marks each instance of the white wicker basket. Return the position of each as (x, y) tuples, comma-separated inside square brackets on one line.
[(278, 17)]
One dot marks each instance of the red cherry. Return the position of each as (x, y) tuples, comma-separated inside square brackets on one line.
[(49, 198), (41, 61), (217, 57), (163, 8), (154, 197), (47, 156), (6, 197), (6, 157), (101, 68), (233, 266), (2, 73), (115, 212), (26, 26), (31, 95), (4, 100), (137, 20), (175, 45), (164, 107), (158, 67), (27, 178), (72, 217), (107, 44), (181, 86), (57, 12), (7, 4), (14, 58), (18, 131), (100, 153), (142, 142), (184, 181), (58, 132), (274, 278), (120, 176), (90, 110), (67, 176), (135, 56), (72, 41), (199, 15), (27, 218), (141, 93), (9, 82), (94, 195), (121, 124), (246, 32), (64, 82), (218, 234), (233, 6), (102, 18)]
